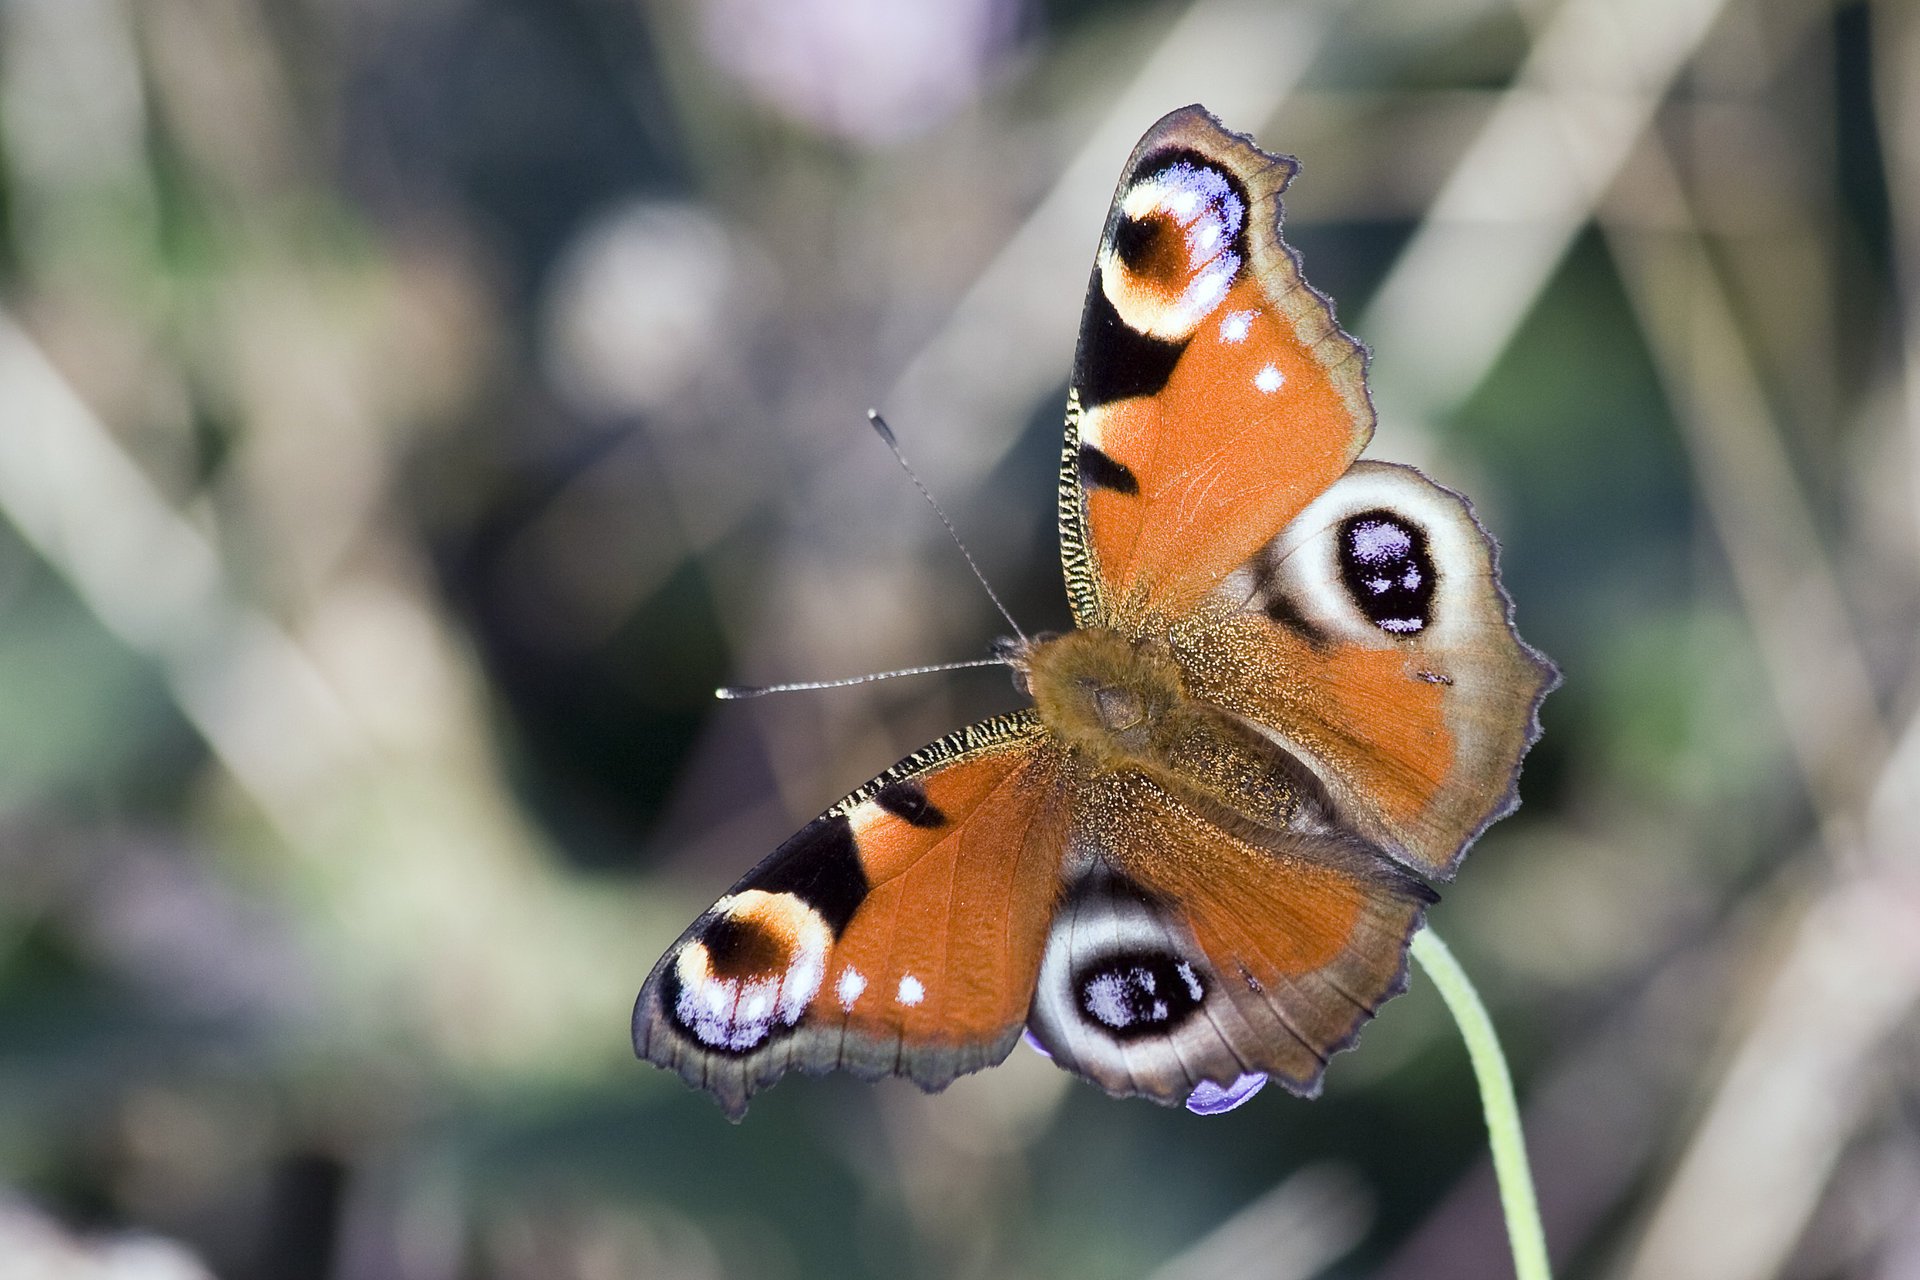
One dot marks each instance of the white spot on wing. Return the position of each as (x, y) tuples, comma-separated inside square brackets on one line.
[(1269, 379), (850, 986), (1205, 293), (911, 992), (1236, 326)]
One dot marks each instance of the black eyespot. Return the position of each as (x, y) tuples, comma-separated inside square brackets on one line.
[(908, 802), (1385, 563), (1223, 191), (1133, 994)]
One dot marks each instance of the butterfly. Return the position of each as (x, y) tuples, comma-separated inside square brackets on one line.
[(1293, 696)]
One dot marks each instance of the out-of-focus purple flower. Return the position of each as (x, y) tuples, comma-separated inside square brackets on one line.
[(873, 71), (1209, 1099)]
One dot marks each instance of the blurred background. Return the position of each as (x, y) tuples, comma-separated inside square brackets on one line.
[(409, 414)]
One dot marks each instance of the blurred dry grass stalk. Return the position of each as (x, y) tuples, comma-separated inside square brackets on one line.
[(1756, 1046)]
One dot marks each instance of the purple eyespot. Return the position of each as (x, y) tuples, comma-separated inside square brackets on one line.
[(1033, 1043), (1209, 1099)]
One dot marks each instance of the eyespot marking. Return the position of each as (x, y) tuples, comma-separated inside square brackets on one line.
[(907, 801), (749, 973), (1388, 571), (1177, 245), (1150, 248), (1131, 994)]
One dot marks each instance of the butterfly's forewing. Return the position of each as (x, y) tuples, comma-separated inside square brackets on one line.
[(1372, 639), (1213, 395), (1184, 954), (897, 934)]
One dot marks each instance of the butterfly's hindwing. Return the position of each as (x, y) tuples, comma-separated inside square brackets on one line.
[(1372, 639), (1184, 956)]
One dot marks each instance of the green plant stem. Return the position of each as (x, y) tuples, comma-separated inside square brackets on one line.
[(1510, 1167)]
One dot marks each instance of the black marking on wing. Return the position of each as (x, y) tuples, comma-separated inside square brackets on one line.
[(1119, 886), (820, 866), (1115, 360), (1388, 571), (1167, 157), (1101, 470), (907, 801), (1283, 609), (1129, 995), (1135, 239)]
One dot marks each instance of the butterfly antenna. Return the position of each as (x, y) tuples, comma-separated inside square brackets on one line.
[(735, 692), (885, 433)]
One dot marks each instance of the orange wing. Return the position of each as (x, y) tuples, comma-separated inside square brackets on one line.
[(1213, 394), (1186, 961), (897, 934), (1373, 641)]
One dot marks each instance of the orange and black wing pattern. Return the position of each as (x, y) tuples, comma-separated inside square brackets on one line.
[(1213, 395), (1372, 640), (1187, 960), (897, 934)]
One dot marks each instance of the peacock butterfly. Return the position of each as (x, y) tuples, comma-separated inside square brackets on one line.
[(1294, 695)]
